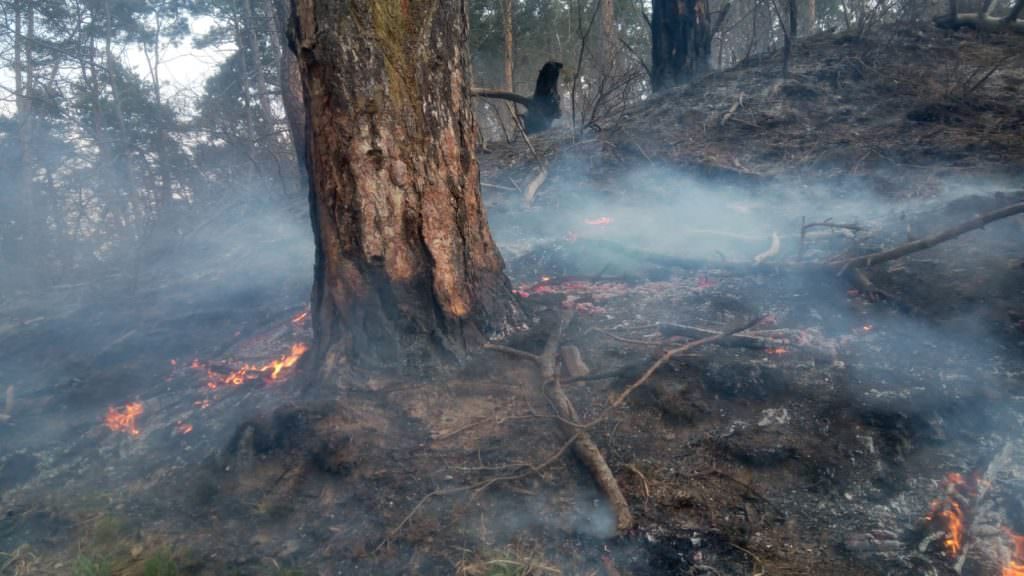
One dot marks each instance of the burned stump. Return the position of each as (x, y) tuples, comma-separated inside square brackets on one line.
[(543, 108)]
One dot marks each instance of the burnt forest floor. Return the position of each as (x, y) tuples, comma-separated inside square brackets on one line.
[(838, 437)]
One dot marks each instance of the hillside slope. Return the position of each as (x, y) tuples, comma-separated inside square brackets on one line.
[(896, 108)]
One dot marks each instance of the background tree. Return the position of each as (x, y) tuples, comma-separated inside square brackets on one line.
[(680, 42), (406, 270)]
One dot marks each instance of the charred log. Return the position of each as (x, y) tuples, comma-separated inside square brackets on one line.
[(543, 108)]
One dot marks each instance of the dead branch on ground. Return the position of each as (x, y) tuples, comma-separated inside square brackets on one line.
[(668, 355), (933, 240), (583, 445)]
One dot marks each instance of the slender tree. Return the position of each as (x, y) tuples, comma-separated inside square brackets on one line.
[(406, 270)]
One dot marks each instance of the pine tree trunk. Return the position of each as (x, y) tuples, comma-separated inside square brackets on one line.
[(289, 81), (607, 47), (680, 42), (255, 48), (506, 20), (407, 273)]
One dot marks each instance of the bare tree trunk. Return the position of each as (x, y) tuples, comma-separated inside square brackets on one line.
[(20, 240), (507, 8), (811, 17), (262, 94), (680, 42), (406, 273), (502, 113), (290, 82), (793, 19), (607, 47)]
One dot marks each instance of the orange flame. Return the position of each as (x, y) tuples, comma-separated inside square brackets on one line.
[(777, 351), (287, 361), (124, 420), (1016, 565), (300, 317), (183, 428), (948, 512), (246, 372)]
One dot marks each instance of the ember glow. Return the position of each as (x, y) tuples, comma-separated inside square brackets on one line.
[(300, 317), (602, 221), (272, 370), (1016, 565), (287, 361), (949, 515), (123, 420)]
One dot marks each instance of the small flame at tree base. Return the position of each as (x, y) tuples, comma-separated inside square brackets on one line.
[(1016, 566), (123, 420), (272, 370)]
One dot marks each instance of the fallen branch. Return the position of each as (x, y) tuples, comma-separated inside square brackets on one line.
[(772, 250), (738, 340), (534, 185), (925, 243), (668, 355), (583, 445)]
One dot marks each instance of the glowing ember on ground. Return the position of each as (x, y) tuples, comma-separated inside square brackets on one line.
[(948, 513), (183, 428), (298, 349), (602, 221), (272, 370), (1016, 565), (703, 283), (867, 327), (300, 317), (777, 351), (123, 420)]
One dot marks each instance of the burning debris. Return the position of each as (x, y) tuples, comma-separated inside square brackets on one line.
[(219, 375), (947, 519), (123, 419), (1016, 565)]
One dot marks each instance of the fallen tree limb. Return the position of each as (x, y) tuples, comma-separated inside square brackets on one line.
[(502, 95), (925, 243), (739, 340), (568, 421), (669, 354)]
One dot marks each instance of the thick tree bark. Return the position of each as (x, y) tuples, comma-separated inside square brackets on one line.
[(406, 270), (680, 42)]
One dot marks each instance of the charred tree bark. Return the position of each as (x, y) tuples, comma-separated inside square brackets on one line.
[(407, 273), (544, 107), (680, 42)]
